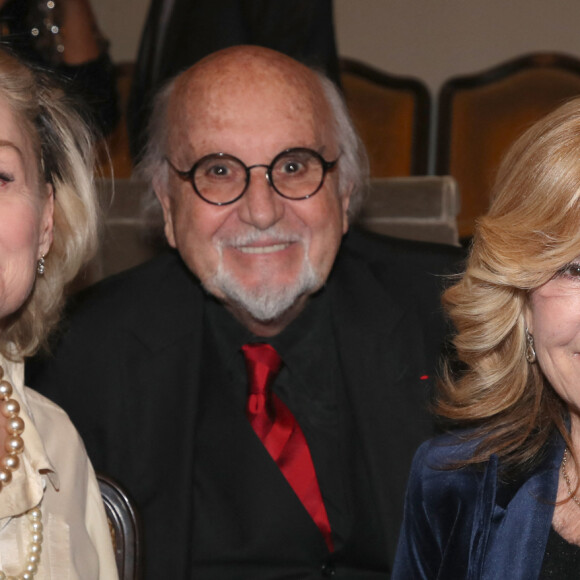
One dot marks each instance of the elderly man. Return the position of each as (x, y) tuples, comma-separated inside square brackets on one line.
[(260, 390)]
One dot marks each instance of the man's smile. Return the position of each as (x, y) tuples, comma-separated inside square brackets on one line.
[(263, 249)]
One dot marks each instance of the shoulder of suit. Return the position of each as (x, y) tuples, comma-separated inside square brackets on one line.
[(436, 470), (444, 450), (415, 272), (165, 280), (400, 253)]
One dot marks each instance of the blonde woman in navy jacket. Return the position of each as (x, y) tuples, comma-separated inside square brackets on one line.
[(499, 498)]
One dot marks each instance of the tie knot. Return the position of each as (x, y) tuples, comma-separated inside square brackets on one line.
[(263, 364)]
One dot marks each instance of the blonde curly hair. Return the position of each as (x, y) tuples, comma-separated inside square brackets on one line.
[(531, 231), (63, 147)]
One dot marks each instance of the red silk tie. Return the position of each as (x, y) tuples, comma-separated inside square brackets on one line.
[(281, 435)]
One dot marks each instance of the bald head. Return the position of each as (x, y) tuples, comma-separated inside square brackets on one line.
[(260, 76), (250, 66), (248, 82)]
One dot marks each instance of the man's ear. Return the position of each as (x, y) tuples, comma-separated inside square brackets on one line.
[(46, 222), (164, 197)]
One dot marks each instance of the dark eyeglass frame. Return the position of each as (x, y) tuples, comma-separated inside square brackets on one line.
[(189, 175)]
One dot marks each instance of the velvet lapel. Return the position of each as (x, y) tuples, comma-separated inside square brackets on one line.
[(482, 517), (380, 347), (519, 530)]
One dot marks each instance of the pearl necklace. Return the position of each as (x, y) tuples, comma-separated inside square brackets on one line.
[(34, 547), (14, 446)]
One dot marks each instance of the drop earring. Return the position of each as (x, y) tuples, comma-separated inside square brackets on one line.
[(40, 266), (530, 350)]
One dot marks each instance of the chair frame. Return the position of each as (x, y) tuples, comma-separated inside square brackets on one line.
[(118, 506), (422, 97), (547, 60)]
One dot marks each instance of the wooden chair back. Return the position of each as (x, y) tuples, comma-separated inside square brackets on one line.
[(392, 115), (481, 115)]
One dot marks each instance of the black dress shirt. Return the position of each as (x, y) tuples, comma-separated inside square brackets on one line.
[(310, 384)]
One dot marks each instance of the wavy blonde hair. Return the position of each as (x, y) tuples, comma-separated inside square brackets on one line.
[(63, 146), (531, 231)]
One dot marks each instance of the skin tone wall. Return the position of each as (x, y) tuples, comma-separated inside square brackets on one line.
[(437, 39)]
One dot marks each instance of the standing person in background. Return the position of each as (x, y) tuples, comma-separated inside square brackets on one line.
[(63, 36), (178, 33)]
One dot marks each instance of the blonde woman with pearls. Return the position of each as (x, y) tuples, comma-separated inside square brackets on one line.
[(52, 520)]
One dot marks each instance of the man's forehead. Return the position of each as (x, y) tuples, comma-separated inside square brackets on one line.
[(247, 62), (231, 87), (245, 87)]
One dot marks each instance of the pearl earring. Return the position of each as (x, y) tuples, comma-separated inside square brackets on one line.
[(40, 266)]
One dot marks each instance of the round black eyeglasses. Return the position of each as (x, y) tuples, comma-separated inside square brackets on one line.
[(221, 179)]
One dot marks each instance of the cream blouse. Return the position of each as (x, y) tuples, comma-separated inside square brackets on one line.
[(56, 473)]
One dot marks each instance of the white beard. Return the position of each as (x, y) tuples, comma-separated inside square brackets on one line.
[(268, 301)]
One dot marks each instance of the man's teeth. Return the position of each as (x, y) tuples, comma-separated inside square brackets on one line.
[(262, 249)]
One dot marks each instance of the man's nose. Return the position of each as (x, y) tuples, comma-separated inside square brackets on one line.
[(260, 206)]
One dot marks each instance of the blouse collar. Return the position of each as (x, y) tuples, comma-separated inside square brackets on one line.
[(36, 471)]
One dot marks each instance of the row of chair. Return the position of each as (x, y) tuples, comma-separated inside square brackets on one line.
[(415, 207), (478, 117)]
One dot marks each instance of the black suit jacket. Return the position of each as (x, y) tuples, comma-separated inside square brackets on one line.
[(128, 364)]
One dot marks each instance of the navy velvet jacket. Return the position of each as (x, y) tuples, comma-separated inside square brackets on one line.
[(466, 524)]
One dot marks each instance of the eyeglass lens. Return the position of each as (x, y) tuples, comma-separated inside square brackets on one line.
[(294, 174)]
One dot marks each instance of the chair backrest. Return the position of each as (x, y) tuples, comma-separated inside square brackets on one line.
[(125, 528), (130, 235), (480, 116), (416, 208), (392, 115)]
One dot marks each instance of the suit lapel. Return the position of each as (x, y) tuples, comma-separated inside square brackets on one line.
[(380, 347), (166, 352), (163, 363), (519, 529)]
